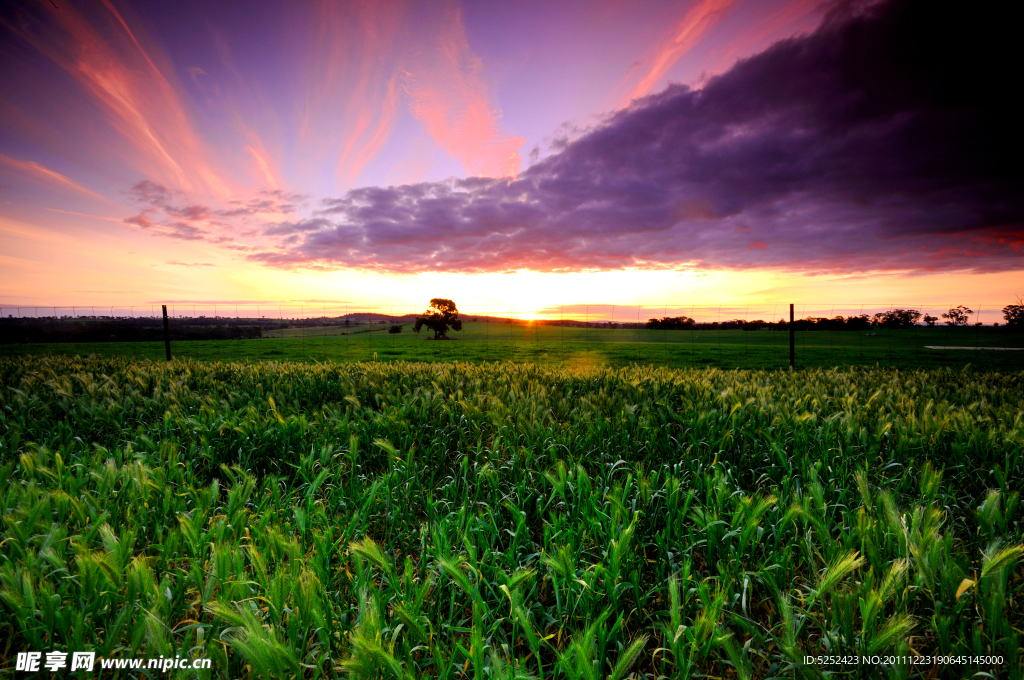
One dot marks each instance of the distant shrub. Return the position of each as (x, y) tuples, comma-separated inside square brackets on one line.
[(397, 328)]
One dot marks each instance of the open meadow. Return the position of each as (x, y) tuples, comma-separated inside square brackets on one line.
[(464, 520), (587, 347)]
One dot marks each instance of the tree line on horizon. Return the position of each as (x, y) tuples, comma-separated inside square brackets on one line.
[(891, 319), (53, 329)]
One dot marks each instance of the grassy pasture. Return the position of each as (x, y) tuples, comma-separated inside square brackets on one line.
[(324, 331), (594, 347), (453, 520)]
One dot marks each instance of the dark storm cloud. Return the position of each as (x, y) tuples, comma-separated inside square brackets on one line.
[(885, 140)]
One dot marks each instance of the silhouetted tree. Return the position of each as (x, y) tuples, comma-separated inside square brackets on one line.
[(441, 315), (670, 323), (930, 320), (958, 316), (1014, 314), (397, 328), (898, 318), (860, 322)]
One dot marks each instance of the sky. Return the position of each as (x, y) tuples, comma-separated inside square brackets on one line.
[(528, 154)]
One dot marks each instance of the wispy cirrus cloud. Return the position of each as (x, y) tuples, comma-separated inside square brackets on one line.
[(262, 164), (680, 39), (351, 97), (39, 172), (367, 59), (132, 84), (795, 16), (371, 130), (838, 151), (449, 94)]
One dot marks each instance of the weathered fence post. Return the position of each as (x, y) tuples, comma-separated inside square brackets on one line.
[(792, 339), (167, 335)]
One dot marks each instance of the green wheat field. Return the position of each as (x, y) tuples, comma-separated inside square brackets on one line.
[(511, 519)]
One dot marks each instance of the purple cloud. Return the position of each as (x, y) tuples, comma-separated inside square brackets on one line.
[(297, 227), (164, 214), (883, 141)]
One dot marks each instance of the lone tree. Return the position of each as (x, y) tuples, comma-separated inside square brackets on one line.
[(441, 315), (958, 316)]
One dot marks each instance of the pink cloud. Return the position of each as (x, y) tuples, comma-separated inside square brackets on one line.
[(351, 72), (259, 156), (134, 87), (164, 212), (370, 133), (105, 218), (365, 56), (682, 37), (263, 167), (450, 95), (796, 17), (33, 169)]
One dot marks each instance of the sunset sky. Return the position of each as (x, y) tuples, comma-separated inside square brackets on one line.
[(508, 153)]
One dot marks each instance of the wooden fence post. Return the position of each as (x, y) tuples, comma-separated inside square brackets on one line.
[(167, 335), (792, 339)]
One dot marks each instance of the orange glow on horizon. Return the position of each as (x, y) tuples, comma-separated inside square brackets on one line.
[(81, 265)]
